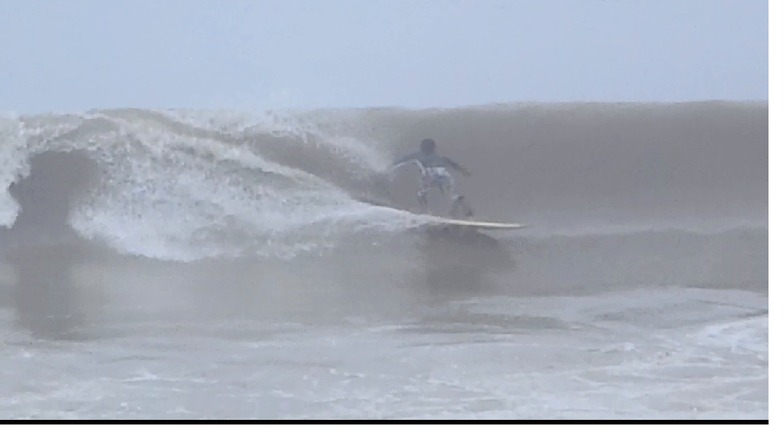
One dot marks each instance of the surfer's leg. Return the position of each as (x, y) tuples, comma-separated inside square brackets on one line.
[(458, 201), (424, 187), (459, 204), (422, 198)]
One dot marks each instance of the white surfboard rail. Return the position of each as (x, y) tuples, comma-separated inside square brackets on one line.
[(476, 224)]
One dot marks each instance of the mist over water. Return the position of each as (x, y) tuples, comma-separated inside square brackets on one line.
[(233, 265)]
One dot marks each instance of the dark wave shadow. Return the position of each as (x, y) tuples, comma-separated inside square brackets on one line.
[(42, 249), (461, 261)]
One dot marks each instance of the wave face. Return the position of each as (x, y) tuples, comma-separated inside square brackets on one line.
[(184, 185)]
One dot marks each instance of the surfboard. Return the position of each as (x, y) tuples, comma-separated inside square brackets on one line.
[(487, 225), (446, 222)]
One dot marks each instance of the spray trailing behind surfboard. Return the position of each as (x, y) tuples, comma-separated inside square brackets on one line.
[(175, 188)]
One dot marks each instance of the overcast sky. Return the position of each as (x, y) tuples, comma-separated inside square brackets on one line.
[(59, 55)]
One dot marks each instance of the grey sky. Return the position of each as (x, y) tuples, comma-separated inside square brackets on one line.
[(255, 54)]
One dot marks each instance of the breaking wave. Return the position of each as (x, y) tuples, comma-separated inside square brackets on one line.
[(184, 185)]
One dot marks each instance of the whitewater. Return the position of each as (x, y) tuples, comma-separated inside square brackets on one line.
[(170, 264)]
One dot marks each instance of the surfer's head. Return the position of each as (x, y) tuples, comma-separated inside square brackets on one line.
[(428, 146)]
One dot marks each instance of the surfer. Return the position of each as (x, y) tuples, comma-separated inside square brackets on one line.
[(435, 173)]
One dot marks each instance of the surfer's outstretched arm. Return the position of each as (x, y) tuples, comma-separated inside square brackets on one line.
[(457, 166), (404, 160)]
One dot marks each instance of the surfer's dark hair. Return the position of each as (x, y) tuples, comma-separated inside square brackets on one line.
[(428, 145)]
